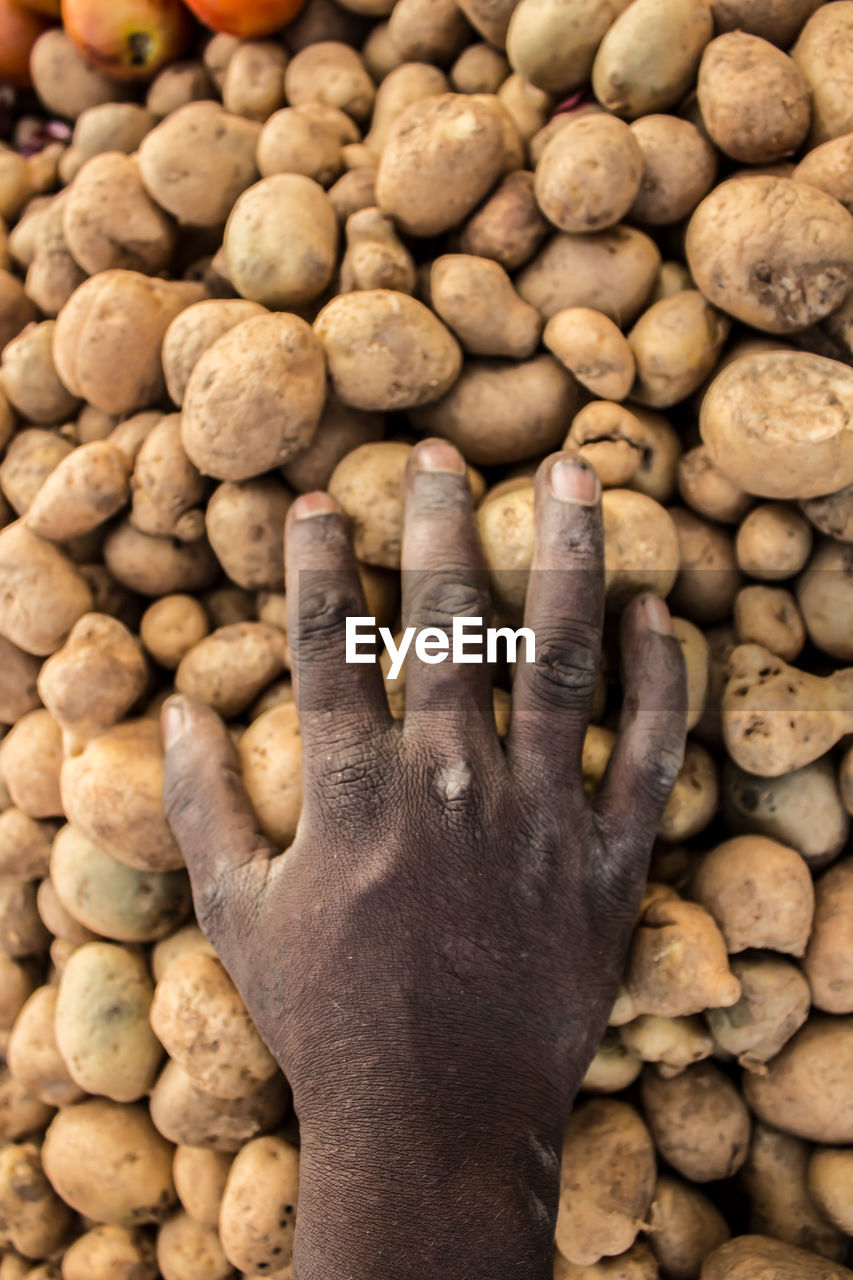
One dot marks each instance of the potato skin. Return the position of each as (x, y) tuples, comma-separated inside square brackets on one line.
[(805, 1090), (648, 58), (827, 961), (43, 592), (773, 253), (715, 1143), (33, 1054), (753, 99), (32, 1217), (611, 271), (245, 525), (774, 1004), (679, 168), (188, 1116), (109, 1252), (86, 488), (270, 754), (194, 330), (589, 174), (110, 221), (257, 1217), (820, 54)]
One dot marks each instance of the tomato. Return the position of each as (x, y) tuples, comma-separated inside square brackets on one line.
[(247, 19), (128, 39), (49, 8), (19, 30)]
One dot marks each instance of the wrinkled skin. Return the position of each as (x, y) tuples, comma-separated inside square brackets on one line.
[(434, 959)]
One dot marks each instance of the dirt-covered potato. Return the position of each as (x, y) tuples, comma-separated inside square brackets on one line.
[(270, 754), (589, 174), (773, 542), (33, 1056), (776, 20), (610, 438), (769, 616), (775, 1179), (442, 156), (22, 932), (330, 72), (755, 102), (684, 1226), (90, 347), (253, 85), (257, 1217), (112, 792), (760, 893), (679, 167), (152, 565), (553, 44), (694, 798), (508, 227), (832, 514), (110, 126), (610, 271), (166, 488), (171, 626), (749, 1256), (254, 398), (30, 458), (188, 938), (230, 667), (94, 680), (476, 299), (820, 54), (107, 1161), (18, 676), (199, 1017), (827, 961), (671, 1043), (29, 378), (593, 349), (774, 1004), (30, 761), (774, 253), (17, 982), (802, 808), (110, 1252), (825, 597), (308, 140), (281, 241), (707, 489), (776, 422), (189, 1250), (109, 220), (24, 844), (370, 338), (606, 1182), (676, 344), (613, 1068), (340, 431), (697, 659), (200, 1176), (641, 550), (647, 59), (375, 257), (194, 331), (198, 161), (715, 1142), (677, 964), (805, 1089), (830, 1184), (86, 488), (245, 525), (189, 1116), (404, 85), (32, 1217), (102, 1027)]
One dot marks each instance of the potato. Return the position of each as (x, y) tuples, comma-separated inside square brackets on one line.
[(647, 59), (825, 596), (404, 85), (805, 1089), (354, 190), (610, 438), (613, 1068), (281, 241), (671, 1043), (21, 930), (611, 271), (607, 1180), (589, 174), (694, 798), (479, 69), (640, 546), (508, 227), (35, 1061), (253, 85), (167, 490), (773, 542), (753, 98), (52, 273), (254, 398), (776, 20), (84, 490), (769, 616), (187, 1115), (827, 958), (774, 1004), (198, 161), (684, 1227), (754, 250), (16, 309), (819, 55), (593, 349), (676, 344), (256, 1220), (17, 983), (66, 83), (90, 347), (109, 220), (340, 431), (200, 1176), (199, 1017), (830, 1183), (102, 1027), (35, 1220), (553, 44), (21, 1115), (774, 1178), (229, 668), (832, 514), (309, 140), (715, 1143), (828, 167), (151, 565), (710, 492), (193, 331), (188, 1250), (697, 660), (109, 126), (30, 380), (750, 1256), (476, 299), (332, 73), (24, 845), (375, 257), (185, 940), (442, 156), (57, 920), (677, 964), (126, 762), (500, 412), (270, 753), (679, 168), (30, 458), (30, 761), (802, 809), (107, 1161), (759, 892), (109, 1252), (18, 675)]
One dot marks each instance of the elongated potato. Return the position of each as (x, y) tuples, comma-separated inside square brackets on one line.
[(749, 1257), (187, 1115), (684, 1227), (648, 57), (827, 961), (257, 1218), (34, 1057), (200, 1176), (32, 1217)]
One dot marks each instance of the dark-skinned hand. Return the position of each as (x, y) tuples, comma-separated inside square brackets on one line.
[(434, 959)]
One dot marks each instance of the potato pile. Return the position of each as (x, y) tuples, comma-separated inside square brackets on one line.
[(620, 228)]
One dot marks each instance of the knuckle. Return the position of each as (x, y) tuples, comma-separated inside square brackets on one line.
[(323, 611), (441, 598), (660, 769), (566, 669)]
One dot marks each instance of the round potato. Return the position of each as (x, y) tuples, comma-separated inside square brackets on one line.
[(820, 55), (109, 1252), (805, 1089), (245, 525), (679, 167), (760, 893), (611, 271), (200, 1176), (110, 221), (171, 626), (589, 174), (753, 98), (194, 331), (716, 1142)]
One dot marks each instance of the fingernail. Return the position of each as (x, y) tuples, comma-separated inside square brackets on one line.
[(172, 721), (572, 480), (439, 455), (657, 615), (313, 504)]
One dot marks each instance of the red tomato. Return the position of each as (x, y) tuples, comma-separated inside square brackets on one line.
[(49, 8), (128, 39), (19, 30), (247, 19)]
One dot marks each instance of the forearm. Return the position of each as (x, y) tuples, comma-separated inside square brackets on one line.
[(407, 1206)]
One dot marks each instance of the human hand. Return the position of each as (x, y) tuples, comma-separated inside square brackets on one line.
[(434, 959)]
